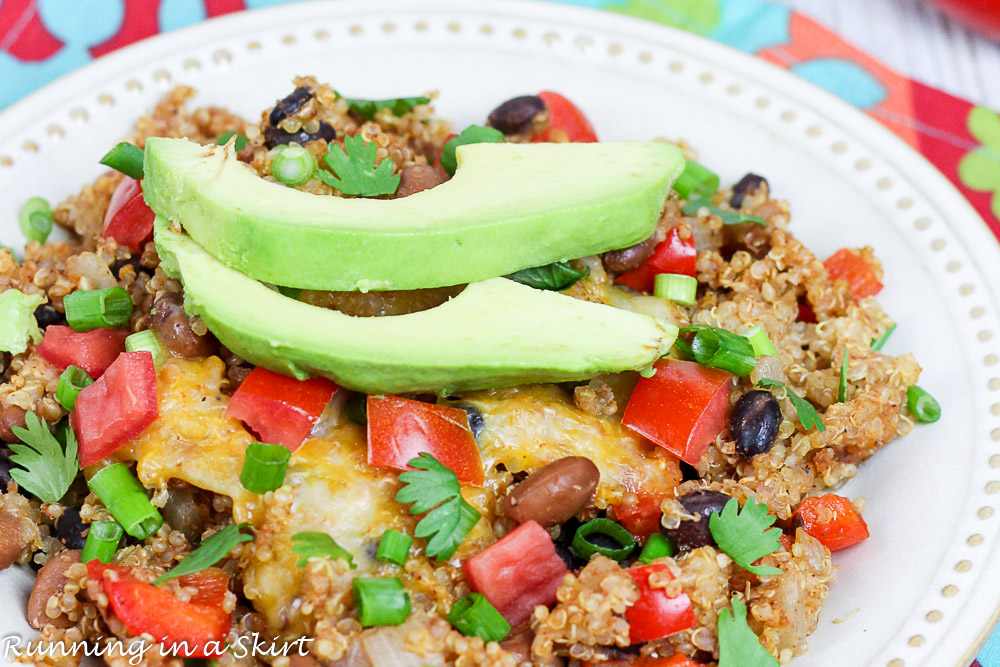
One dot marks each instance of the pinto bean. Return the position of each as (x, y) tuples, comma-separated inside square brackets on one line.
[(553, 494), (11, 541), (173, 328), (10, 415), (629, 258), (417, 178), (50, 581), (518, 643), (516, 115)]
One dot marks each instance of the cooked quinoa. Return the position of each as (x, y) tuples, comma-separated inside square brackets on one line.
[(189, 459)]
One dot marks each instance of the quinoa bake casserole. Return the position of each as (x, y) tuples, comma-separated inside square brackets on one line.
[(344, 386)]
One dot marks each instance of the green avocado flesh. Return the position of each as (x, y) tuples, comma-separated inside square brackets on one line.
[(509, 207), (495, 333)]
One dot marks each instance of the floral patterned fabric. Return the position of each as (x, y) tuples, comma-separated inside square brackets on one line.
[(43, 39)]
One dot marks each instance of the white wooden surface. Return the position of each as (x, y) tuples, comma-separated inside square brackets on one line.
[(916, 39)]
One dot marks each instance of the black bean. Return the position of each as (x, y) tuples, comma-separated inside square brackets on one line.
[(476, 420), (356, 408), (688, 472), (568, 557), (747, 184), (5, 465), (277, 137), (693, 534), (289, 106), (515, 115), (45, 315), (69, 528), (566, 533), (134, 261), (754, 423)]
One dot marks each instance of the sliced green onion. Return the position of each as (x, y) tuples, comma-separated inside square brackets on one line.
[(761, 344), (474, 616), (696, 179), (922, 405), (264, 467), (585, 548), (72, 381), (380, 601), (878, 343), (145, 341), (125, 498), (102, 541), (87, 310), (241, 141), (657, 546), (722, 349), (676, 287), (842, 389), (36, 219), (394, 547), (293, 165), (125, 158)]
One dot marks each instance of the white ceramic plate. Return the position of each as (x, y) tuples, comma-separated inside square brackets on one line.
[(924, 589)]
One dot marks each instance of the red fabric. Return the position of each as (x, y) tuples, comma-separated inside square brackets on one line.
[(22, 33)]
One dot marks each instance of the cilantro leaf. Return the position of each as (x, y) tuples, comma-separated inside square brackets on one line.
[(354, 170), (474, 134), (397, 105), (447, 527), (738, 645), (434, 489), (728, 217), (842, 389), (745, 536), (554, 277), (46, 469), (210, 552), (808, 416), (319, 545)]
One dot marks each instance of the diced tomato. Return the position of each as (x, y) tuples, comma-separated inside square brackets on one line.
[(194, 629), (861, 276), (566, 121), (129, 221), (281, 409), (656, 615), (210, 585), (832, 520), (642, 518), (518, 573), (674, 255), (92, 351), (681, 408), (116, 408), (676, 660), (400, 429)]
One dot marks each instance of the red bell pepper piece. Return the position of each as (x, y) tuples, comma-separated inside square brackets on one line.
[(400, 429), (116, 408), (656, 615), (806, 313), (281, 409), (832, 520), (518, 573), (674, 255), (92, 351), (676, 660), (128, 220), (642, 518), (192, 629), (681, 408), (566, 121), (849, 265)]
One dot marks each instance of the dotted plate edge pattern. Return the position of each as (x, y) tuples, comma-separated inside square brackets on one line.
[(662, 50)]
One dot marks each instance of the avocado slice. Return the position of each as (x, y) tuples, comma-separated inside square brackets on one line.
[(509, 207), (495, 333)]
